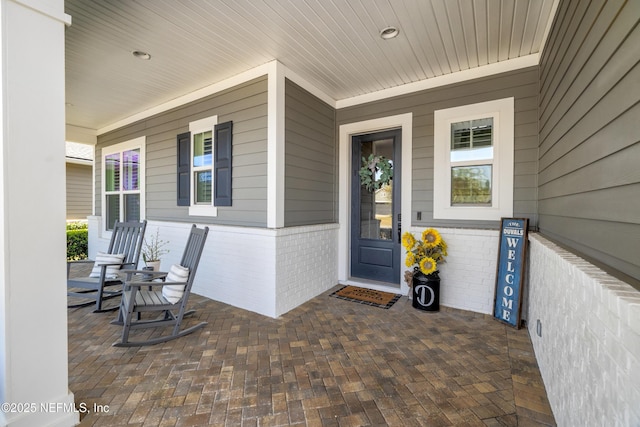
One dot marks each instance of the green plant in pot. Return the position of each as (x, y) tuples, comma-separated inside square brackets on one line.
[(152, 250)]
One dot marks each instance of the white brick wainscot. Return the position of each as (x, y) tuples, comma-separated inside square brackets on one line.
[(585, 329), (267, 271), (468, 277)]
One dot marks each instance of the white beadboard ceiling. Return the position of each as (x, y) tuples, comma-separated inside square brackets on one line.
[(332, 44)]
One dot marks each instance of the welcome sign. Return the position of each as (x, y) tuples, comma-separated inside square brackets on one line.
[(510, 274)]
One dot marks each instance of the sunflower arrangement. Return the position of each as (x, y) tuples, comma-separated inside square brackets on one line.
[(425, 254)]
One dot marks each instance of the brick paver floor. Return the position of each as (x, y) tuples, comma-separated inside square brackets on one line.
[(328, 362)]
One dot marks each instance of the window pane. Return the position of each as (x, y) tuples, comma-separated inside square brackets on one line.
[(482, 132), (472, 140), (130, 169), (112, 172), (202, 149), (203, 187), (112, 210), (475, 154), (460, 135), (471, 185), (132, 207)]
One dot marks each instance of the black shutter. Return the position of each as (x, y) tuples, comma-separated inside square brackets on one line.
[(222, 152), (184, 163)]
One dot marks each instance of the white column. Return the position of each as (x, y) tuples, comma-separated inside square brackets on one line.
[(275, 146), (33, 314)]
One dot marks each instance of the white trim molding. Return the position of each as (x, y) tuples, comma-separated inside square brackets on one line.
[(447, 79), (275, 146), (276, 67), (46, 9), (139, 142), (199, 126), (502, 112), (401, 121)]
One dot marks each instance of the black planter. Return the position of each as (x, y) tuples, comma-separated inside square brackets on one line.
[(426, 291)]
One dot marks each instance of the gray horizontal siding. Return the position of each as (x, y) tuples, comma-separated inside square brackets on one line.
[(310, 159), (79, 191), (522, 85), (246, 106), (589, 179)]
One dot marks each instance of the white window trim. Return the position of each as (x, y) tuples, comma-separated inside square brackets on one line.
[(199, 126), (140, 143), (502, 111)]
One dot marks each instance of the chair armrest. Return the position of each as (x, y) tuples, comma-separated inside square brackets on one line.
[(148, 273), (80, 261), (149, 284)]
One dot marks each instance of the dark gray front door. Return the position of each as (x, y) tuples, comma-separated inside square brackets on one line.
[(375, 215)]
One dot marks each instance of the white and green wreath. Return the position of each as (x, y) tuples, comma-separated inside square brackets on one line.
[(375, 166)]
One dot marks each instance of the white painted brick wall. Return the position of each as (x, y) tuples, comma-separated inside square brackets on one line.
[(306, 264), (238, 268), (262, 270), (468, 277), (589, 349)]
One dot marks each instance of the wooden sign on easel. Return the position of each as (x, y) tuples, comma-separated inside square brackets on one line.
[(507, 303)]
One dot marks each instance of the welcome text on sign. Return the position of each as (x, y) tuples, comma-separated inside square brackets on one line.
[(510, 265)]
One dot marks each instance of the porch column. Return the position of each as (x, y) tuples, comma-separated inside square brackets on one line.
[(275, 144), (33, 314)]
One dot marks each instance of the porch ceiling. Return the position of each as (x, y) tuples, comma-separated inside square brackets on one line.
[(332, 44)]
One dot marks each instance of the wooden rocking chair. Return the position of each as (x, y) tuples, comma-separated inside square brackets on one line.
[(123, 253), (168, 297)]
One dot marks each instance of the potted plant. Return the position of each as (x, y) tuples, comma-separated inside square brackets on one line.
[(424, 255), (153, 249)]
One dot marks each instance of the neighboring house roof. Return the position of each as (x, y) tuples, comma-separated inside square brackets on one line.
[(81, 153)]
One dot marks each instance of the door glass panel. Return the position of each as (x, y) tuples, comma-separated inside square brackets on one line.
[(376, 207)]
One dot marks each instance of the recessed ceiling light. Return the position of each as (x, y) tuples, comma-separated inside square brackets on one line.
[(389, 33), (141, 55)]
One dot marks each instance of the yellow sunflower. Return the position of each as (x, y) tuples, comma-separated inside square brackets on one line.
[(431, 238), (408, 241), (411, 259), (428, 265)]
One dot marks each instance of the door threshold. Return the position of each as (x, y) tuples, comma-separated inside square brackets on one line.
[(372, 284)]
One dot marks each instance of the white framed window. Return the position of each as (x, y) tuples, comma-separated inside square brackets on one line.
[(473, 161), (202, 163), (123, 175)]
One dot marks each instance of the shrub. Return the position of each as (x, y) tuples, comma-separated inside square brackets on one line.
[(77, 244), (77, 225)]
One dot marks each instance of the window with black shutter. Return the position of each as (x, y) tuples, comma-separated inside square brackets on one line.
[(184, 165), (204, 167), (222, 164)]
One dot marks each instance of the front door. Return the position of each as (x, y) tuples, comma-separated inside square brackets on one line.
[(375, 212)]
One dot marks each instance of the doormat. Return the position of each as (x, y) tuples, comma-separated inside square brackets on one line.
[(366, 296)]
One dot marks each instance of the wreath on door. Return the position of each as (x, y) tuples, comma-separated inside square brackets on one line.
[(375, 166)]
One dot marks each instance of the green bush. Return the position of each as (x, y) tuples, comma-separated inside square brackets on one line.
[(77, 225), (77, 244)]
